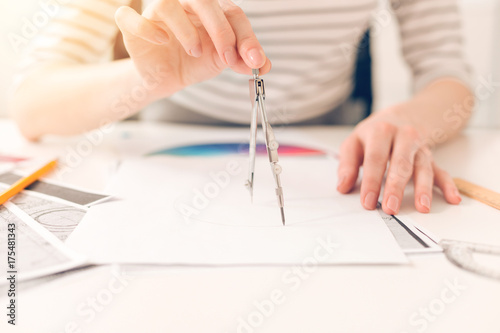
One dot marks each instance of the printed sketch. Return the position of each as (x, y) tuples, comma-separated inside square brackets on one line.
[(59, 219), (33, 252)]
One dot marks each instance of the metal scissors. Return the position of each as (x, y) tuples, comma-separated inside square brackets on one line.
[(258, 97)]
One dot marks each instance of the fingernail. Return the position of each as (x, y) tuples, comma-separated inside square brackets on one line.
[(425, 201), (370, 200), (196, 51), (161, 36), (231, 57), (341, 181), (257, 57), (393, 204), (457, 194)]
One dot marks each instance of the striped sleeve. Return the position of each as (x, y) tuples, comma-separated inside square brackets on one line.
[(80, 31), (431, 38)]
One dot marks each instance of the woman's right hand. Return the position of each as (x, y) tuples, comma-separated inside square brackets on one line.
[(189, 41)]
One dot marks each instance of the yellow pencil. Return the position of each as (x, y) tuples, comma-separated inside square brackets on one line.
[(21, 184)]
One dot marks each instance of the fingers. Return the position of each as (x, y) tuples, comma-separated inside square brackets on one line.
[(218, 28), (444, 181), (227, 26), (400, 169), (378, 143), (175, 17), (248, 46), (372, 145), (423, 180), (133, 25), (351, 158)]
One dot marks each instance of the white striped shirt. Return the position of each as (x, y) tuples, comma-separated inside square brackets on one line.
[(312, 45)]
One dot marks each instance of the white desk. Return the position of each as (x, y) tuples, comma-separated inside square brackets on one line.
[(330, 299)]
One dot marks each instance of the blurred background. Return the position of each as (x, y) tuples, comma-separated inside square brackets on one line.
[(391, 77)]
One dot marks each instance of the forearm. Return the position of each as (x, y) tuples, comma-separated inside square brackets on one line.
[(69, 100), (439, 111)]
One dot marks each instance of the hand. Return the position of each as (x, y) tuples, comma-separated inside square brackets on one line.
[(390, 136), (190, 40)]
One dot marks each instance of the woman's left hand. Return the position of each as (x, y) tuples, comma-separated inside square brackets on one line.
[(389, 140)]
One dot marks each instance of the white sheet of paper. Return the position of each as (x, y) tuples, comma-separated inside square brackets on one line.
[(196, 210)]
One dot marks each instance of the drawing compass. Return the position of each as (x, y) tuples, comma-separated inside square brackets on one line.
[(258, 97)]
